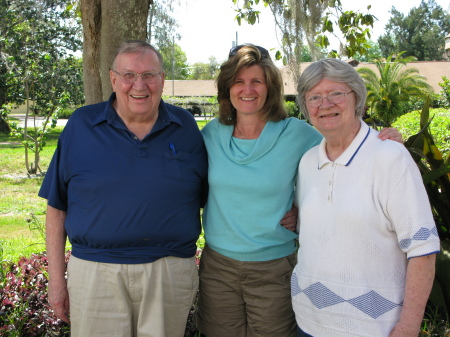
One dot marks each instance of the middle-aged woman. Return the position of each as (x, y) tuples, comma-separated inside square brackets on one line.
[(253, 155), (366, 231)]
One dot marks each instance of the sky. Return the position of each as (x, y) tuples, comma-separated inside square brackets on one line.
[(208, 27)]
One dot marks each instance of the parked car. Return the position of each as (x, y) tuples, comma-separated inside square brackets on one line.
[(195, 110)]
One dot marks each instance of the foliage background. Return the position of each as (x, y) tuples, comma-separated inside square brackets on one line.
[(409, 124)]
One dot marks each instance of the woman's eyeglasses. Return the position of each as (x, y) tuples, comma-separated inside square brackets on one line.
[(335, 97)]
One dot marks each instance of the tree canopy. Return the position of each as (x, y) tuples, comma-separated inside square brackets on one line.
[(175, 61), (373, 53), (205, 71), (37, 41), (420, 33), (161, 25), (311, 22)]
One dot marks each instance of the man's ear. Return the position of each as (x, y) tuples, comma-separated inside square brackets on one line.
[(113, 79)]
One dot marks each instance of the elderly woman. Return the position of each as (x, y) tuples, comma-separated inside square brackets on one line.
[(253, 155), (366, 231)]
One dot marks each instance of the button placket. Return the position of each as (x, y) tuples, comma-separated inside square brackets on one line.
[(331, 182)]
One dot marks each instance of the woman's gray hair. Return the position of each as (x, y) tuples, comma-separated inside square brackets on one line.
[(136, 46), (333, 70)]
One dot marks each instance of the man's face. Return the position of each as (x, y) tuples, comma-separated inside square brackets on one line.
[(138, 99)]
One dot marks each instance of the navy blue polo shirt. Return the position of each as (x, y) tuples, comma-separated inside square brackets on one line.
[(128, 201)]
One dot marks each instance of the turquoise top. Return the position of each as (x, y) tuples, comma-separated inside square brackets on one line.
[(251, 187)]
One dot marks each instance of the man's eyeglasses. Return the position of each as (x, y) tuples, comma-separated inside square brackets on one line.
[(130, 77), (263, 51), (335, 97)]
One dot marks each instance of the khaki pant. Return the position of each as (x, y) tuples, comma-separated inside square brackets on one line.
[(131, 300), (245, 299)]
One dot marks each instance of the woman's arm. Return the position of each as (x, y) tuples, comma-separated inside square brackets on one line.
[(419, 280), (289, 220)]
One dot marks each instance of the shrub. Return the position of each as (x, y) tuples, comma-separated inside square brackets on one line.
[(65, 113), (292, 108), (208, 105), (445, 92), (24, 307), (409, 124)]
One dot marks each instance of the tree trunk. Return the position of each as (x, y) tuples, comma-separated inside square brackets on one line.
[(106, 24), (4, 126)]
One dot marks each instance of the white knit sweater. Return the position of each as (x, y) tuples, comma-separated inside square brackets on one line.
[(361, 218)]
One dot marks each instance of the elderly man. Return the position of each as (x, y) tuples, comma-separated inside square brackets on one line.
[(125, 186)]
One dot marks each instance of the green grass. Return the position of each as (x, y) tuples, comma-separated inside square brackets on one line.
[(18, 199), (12, 159), (202, 123), (23, 244)]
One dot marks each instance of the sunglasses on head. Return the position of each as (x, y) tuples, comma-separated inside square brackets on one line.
[(263, 51)]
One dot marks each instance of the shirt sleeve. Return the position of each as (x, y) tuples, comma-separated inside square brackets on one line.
[(54, 188), (408, 208)]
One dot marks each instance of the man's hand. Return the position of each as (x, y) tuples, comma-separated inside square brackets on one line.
[(392, 134), (58, 297)]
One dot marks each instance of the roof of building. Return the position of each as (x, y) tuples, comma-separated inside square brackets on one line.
[(190, 88)]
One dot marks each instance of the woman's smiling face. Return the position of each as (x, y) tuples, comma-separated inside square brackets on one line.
[(331, 116), (248, 94)]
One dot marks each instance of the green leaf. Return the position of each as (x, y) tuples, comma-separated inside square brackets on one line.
[(278, 55), (437, 173)]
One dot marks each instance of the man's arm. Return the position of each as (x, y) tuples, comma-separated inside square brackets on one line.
[(56, 245), (419, 280)]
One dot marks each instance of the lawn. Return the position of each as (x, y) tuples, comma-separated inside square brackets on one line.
[(19, 200)]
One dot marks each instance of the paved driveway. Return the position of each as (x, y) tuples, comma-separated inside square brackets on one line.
[(37, 120), (34, 120)]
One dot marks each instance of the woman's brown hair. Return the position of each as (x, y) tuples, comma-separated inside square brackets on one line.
[(246, 56)]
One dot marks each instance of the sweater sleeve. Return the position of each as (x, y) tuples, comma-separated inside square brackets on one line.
[(407, 205)]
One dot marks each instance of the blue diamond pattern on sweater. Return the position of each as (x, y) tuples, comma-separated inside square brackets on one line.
[(434, 231), (371, 303), (405, 243), (321, 296), (295, 288), (421, 235)]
